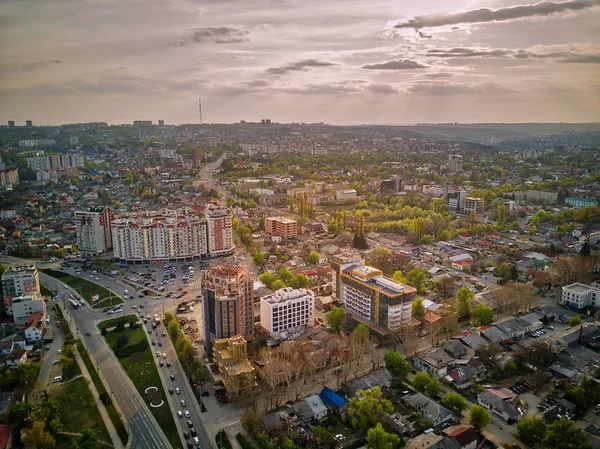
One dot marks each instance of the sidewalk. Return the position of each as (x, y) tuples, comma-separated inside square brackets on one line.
[(116, 441)]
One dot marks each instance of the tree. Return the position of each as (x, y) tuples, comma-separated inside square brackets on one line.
[(418, 309), (575, 321), (335, 319), (504, 270), (444, 286), (418, 279), (278, 285), (382, 258), (268, 279), (366, 410), (38, 437), (259, 258), (18, 415), (300, 281), (399, 277), (562, 434), (313, 258), (420, 381), (264, 442), (396, 364), (285, 276), (250, 421), (464, 298), (479, 417), (482, 315), (455, 402), (585, 249), (433, 388), (87, 439), (531, 430), (378, 438)]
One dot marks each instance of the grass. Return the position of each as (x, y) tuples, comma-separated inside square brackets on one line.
[(84, 287), (45, 292), (78, 409), (112, 322), (115, 416), (143, 362), (244, 442), (222, 440)]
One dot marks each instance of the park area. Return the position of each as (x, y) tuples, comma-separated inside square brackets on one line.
[(130, 345), (86, 289)]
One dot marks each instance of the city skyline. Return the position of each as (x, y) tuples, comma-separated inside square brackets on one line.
[(348, 62)]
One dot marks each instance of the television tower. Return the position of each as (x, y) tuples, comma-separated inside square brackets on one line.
[(200, 108)]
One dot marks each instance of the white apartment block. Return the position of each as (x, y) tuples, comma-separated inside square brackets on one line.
[(93, 229), (473, 205), (345, 195), (455, 163), (287, 309), (19, 281), (579, 296), (536, 196), (24, 306), (219, 230), (56, 161)]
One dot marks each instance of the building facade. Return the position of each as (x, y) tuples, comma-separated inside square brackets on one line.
[(227, 303), (283, 227), (579, 296), (219, 230), (287, 309), (345, 195), (580, 201), (24, 306), (93, 229), (455, 163), (471, 204), (9, 177), (56, 161), (19, 281)]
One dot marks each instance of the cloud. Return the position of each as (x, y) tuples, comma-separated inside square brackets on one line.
[(569, 55), (449, 88), (37, 65), (400, 64), (299, 66), (466, 52), (582, 59), (486, 15), (217, 35), (382, 89), (439, 75)]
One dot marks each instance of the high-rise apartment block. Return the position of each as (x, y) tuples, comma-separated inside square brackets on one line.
[(382, 304), (220, 230), (472, 204), (142, 134), (455, 163), (93, 229), (9, 177), (282, 227), (227, 303), (19, 281), (287, 309), (56, 161)]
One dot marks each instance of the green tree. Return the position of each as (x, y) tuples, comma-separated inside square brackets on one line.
[(482, 315), (264, 442), (259, 258), (313, 258), (575, 321), (360, 335), (382, 258), (479, 417), (87, 439), (174, 330), (531, 430), (300, 281), (418, 279), (267, 279), (420, 381), (464, 299), (19, 414), (366, 410), (418, 309), (285, 276), (278, 285), (378, 438), (396, 364), (399, 277), (562, 434), (585, 249), (38, 437), (433, 388), (335, 319), (455, 402)]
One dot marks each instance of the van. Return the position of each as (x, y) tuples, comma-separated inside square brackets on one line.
[(196, 441), (57, 379)]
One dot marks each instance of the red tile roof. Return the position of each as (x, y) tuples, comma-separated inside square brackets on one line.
[(4, 435)]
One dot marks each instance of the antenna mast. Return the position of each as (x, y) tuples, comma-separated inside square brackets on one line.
[(200, 108)]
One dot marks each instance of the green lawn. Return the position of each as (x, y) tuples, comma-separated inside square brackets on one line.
[(85, 288), (142, 370), (78, 409), (112, 322), (45, 291)]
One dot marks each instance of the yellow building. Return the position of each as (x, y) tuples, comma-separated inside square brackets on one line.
[(231, 356)]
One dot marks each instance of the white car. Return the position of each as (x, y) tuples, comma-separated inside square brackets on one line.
[(179, 414), (187, 414)]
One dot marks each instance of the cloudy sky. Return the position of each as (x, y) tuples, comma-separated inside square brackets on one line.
[(336, 61)]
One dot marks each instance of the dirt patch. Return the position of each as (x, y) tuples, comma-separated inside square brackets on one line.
[(144, 373), (154, 396), (135, 358)]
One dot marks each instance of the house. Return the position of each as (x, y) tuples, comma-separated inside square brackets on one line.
[(514, 328), (311, 407), (465, 373), (455, 348), (494, 334), (460, 261), (425, 441), (499, 404), (474, 343), (381, 379), (333, 400), (14, 359), (464, 436), (5, 440), (34, 329), (431, 410), (435, 362)]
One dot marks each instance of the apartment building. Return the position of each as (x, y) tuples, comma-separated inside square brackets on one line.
[(471, 204), (56, 161), (345, 195), (24, 306), (93, 230), (455, 163), (536, 196), (283, 227), (381, 303), (579, 296), (287, 309), (9, 177), (227, 303), (165, 236), (581, 201), (219, 230), (19, 281), (456, 200)]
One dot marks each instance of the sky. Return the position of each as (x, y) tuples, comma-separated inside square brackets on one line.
[(342, 62)]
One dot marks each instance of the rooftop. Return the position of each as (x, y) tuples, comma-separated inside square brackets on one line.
[(577, 288), (287, 294)]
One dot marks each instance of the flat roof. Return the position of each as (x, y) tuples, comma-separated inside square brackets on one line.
[(577, 288)]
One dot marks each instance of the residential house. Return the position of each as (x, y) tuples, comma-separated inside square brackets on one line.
[(514, 328), (333, 400), (311, 407), (381, 379), (463, 374), (474, 343), (425, 441), (435, 362), (455, 348), (500, 404), (464, 437), (431, 410), (13, 360), (494, 334), (34, 329)]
